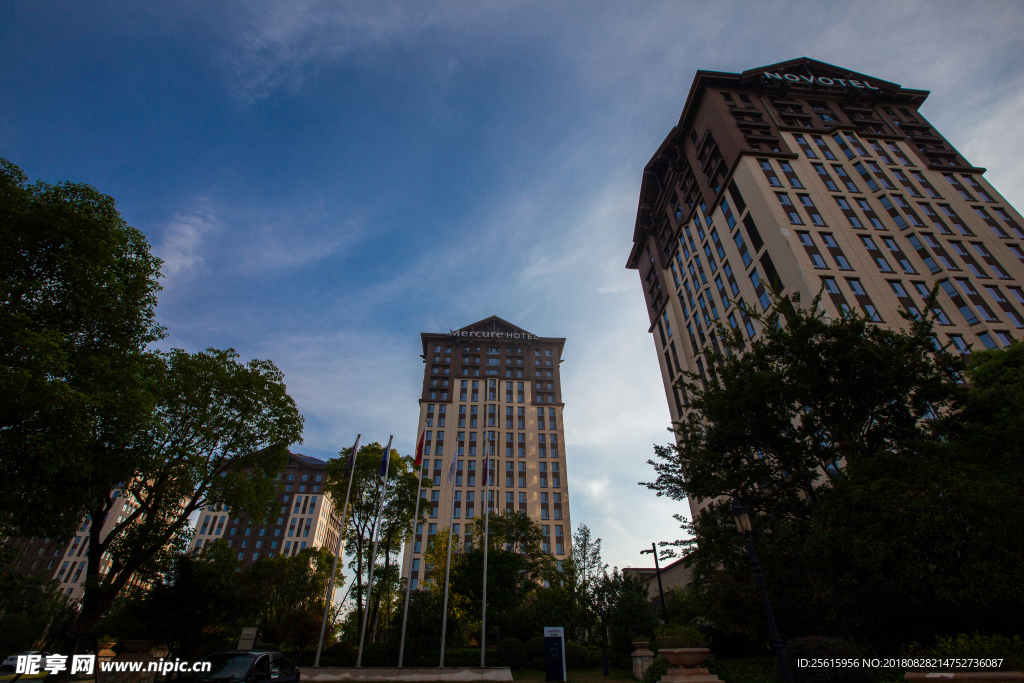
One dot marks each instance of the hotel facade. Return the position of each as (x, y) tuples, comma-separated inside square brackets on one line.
[(303, 517), (807, 177), (493, 388)]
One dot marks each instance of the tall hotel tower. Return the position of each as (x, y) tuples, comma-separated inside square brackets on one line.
[(494, 386), (802, 176)]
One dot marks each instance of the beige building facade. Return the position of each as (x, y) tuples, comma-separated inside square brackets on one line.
[(674, 576), (67, 563), (491, 387), (303, 517), (809, 177)]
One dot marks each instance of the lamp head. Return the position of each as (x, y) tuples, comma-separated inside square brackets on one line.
[(741, 516)]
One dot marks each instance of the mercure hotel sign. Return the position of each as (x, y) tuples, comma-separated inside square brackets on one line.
[(492, 335), (819, 80)]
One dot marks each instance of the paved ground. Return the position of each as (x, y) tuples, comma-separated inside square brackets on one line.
[(575, 676)]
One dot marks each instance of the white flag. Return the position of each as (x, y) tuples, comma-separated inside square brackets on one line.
[(451, 469)]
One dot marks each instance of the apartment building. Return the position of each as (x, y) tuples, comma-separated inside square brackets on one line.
[(304, 517)]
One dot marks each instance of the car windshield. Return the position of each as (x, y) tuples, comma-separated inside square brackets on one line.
[(229, 665)]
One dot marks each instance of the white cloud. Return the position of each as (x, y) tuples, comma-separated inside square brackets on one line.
[(181, 245), (268, 45)]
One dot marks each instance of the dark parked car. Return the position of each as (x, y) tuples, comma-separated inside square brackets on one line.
[(245, 666)]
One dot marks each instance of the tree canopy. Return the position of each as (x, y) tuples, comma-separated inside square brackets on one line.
[(394, 527), (218, 436), (78, 290), (883, 472)]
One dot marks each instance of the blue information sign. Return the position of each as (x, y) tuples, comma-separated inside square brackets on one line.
[(554, 653)]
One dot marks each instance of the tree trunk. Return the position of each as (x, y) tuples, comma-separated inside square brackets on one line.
[(359, 585), (375, 614)]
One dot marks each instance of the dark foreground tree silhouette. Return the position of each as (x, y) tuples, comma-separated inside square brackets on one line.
[(883, 515)]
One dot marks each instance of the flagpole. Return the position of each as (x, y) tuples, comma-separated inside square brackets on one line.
[(408, 581), (337, 552), (487, 519), (386, 461), (448, 562)]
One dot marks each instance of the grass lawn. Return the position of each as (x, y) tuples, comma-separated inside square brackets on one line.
[(745, 669), (574, 675)]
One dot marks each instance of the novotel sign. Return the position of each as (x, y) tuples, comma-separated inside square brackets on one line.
[(492, 335), (819, 80)]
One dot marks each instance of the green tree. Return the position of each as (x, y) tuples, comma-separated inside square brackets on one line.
[(197, 608), (571, 585), (78, 291), (512, 531), (621, 602), (32, 611), (886, 490), (218, 437), (286, 595), (805, 398), (94, 425), (395, 524)]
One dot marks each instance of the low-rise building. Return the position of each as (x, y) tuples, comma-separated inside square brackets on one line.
[(675, 575)]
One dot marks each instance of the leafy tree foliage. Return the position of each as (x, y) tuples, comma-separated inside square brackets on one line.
[(622, 604), (94, 425), (218, 436), (526, 588), (33, 610), (201, 605), (512, 531), (806, 397), (288, 595), (78, 291), (885, 476), (393, 528), (197, 607)]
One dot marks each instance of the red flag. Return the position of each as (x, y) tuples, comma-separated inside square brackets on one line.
[(419, 449)]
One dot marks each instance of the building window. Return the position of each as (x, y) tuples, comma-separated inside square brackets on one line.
[(787, 206)]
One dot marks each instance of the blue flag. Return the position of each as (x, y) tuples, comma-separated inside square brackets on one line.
[(384, 460)]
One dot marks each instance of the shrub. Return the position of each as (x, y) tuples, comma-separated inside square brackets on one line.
[(743, 669), (657, 669), (535, 649), (578, 656), (512, 653), (974, 646), (453, 656), (677, 635), (379, 654), (818, 647)]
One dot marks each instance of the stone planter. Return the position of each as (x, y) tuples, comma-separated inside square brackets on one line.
[(642, 658), (684, 657), (105, 650)]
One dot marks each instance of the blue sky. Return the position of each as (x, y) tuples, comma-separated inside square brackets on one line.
[(326, 180)]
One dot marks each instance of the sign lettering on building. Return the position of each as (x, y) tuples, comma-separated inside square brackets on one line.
[(819, 80), (492, 335)]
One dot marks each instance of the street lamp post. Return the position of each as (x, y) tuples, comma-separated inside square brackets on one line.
[(741, 516), (657, 571)]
